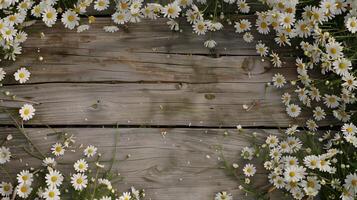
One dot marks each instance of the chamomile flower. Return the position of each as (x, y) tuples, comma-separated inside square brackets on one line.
[(311, 186), (51, 193), (351, 183), (105, 198), (54, 178), (278, 80), (125, 196), (334, 50), (82, 28), (6, 189), (294, 173), (349, 129), (5, 155), (247, 153), (351, 24), (223, 196), (79, 181), (58, 149), (272, 141), (25, 177), (210, 44), (27, 112), (261, 49), (242, 26), (342, 66), (110, 29), (20, 37), (331, 101), (24, 190), (287, 20), (243, 6), (171, 10), (350, 81), (311, 161), (319, 113), (200, 27), (293, 110), (275, 59), (49, 16), (249, 170), (70, 19), (80, 165), (101, 5), (121, 17), (311, 125), (90, 151), (248, 37), (22, 75), (262, 26), (49, 162)]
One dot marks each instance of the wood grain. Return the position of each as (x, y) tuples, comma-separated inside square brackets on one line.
[(216, 104), (182, 164)]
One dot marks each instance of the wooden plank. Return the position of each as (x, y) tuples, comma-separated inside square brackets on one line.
[(216, 104), (174, 166), (80, 65)]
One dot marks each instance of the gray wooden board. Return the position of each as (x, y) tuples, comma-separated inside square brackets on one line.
[(181, 164)]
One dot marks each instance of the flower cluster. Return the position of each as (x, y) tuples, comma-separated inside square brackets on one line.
[(48, 182)]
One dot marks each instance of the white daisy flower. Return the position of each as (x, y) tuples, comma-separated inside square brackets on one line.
[(319, 113), (37, 10), (27, 112), (54, 178), (121, 17), (342, 66), (294, 173), (22, 75), (351, 24), (5, 155), (287, 19), (174, 26), (24, 190), (70, 19), (90, 151), (106, 198), (275, 59), (25, 177), (223, 196), (350, 81), (21, 37), (242, 26), (49, 162), (79, 181), (249, 170), (200, 27), (110, 29), (311, 186), (292, 130), (51, 193), (8, 33), (171, 10), (80, 165), (101, 5), (351, 183), (248, 37), (311, 125), (57, 149), (82, 28), (125, 196), (210, 44), (49, 16), (323, 164), (311, 161), (261, 49), (272, 141), (293, 110), (331, 101), (6, 189), (247, 153), (243, 6), (278, 80), (290, 161), (334, 49), (349, 129), (286, 98), (262, 26), (278, 182)]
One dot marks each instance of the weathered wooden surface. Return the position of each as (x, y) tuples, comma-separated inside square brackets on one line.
[(182, 164), (148, 76)]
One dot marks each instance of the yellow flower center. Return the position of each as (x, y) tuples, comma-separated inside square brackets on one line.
[(71, 18), (354, 182), (49, 15), (353, 24), (51, 194), (26, 112), (311, 184), (6, 188), (264, 25), (333, 50), (54, 178), (58, 149), (292, 174), (101, 3), (23, 189), (22, 75), (81, 166), (171, 10), (79, 181), (25, 177), (12, 18)]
